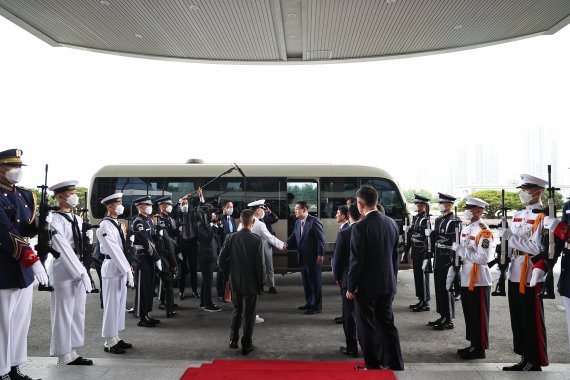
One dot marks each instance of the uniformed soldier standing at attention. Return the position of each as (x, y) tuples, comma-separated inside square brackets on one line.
[(18, 266), (525, 282), (417, 241), (69, 278), (476, 244), (561, 230), (116, 274), (442, 237), (146, 257), (166, 227)]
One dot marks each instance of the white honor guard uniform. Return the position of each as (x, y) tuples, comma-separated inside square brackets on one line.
[(116, 273), (70, 282), (260, 229), (525, 306), (476, 244)]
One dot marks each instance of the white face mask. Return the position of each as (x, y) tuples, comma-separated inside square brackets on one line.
[(169, 209), (119, 209), (442, 207), (72, 200), (468, 214), (525, 197), (184, 208), (148, 210), (229, 211), (14, 175), (415, 208)]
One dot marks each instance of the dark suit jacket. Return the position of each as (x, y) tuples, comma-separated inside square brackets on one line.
[(341, 256), (242, 258), (373, 256), (311, 244), (226, 229)]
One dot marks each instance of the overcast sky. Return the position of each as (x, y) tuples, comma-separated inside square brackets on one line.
[(78, 110)]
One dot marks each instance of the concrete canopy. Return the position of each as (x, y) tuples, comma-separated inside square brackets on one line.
[(283, 31)]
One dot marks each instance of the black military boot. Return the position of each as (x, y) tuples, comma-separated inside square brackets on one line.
[(15, 374), (473, 353), (5, 377), (446, 324)]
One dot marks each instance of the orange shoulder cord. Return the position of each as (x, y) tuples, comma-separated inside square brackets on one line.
[(475, 270), (526, 262)]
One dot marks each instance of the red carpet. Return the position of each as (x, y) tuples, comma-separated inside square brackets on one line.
[(281, 370)]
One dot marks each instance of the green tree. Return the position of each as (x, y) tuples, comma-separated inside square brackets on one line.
[(493, 197), (558, 200), (409, 194)]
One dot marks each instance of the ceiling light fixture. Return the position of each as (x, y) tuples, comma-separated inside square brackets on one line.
[(105, 2), (138, 35), (194, 7), (292, 36), (291, 15), (457, 27)]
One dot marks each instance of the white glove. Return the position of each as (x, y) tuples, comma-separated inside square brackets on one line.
[(406, 228), (130, 280), (161, 232), (40, 273), (86, 282), (424, 264), (449, 279), (89, 235), (180, 228), (132, 238), (537, 275), (159, 265), (454, 246), (550, 223), (49, 217), (428, 231), (460, 251), (180, 256)]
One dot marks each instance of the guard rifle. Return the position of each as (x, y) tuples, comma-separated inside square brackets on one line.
[(552, 256), (428, 240), (456, 259), (86, 245), (43, 247), (501, 251)]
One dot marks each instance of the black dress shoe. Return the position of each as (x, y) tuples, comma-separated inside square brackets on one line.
[(436, 322), (272, 290), (161, 306), (348, 352), (523, 366), (423, 307), (15, 374), (124, 345), (181, 296), (114, 349), (94, 290), (247, 350), (447, 325), (473, 353), (152, 320), (170, 314), (338, 320), (462, 350), (81, 361), (416, 305), (312, 311), (195, 295), (360, 367), (304, 307), (144, 323), (233, 344)]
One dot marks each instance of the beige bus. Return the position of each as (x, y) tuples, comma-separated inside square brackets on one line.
[(324, 187)]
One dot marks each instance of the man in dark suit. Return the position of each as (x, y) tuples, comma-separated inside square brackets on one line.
[(229, 226), (372, 283), (242, 259), (340, 270), (308, 239)]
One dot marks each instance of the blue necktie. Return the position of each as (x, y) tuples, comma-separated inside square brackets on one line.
[(230, 226)]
